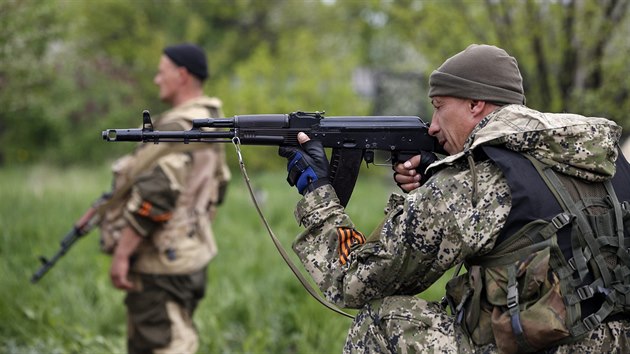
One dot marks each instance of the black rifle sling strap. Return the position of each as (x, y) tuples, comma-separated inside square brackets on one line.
[(309, 288)]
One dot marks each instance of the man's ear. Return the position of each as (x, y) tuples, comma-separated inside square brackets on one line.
[(184, 75), (477, 108)]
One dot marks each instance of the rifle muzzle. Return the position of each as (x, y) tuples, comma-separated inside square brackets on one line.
[(122, 135)]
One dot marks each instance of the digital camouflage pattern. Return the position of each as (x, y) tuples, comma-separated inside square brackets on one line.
[(456, 215), (583, 147), (407, 324)]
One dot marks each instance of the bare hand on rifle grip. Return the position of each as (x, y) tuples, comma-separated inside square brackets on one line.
[(411, 174)]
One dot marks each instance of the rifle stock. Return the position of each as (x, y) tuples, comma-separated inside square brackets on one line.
[(353, 139)]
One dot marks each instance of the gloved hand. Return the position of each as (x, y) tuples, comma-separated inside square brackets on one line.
[(411, 174), (308, 166)]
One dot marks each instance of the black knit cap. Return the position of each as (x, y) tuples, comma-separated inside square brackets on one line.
[(190, 56), (480, 72)]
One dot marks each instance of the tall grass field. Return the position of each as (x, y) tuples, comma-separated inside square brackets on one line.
[(254, 304)]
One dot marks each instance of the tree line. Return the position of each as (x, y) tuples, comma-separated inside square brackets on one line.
[(69, 69)]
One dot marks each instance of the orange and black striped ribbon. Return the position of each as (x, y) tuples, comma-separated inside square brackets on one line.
[(145, 210), (347, 237)]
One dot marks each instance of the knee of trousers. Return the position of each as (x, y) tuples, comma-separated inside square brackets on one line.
[(184, 339), (161, 327), (398, 322)]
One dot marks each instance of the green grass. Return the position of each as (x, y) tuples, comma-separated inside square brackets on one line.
[(254, 303)]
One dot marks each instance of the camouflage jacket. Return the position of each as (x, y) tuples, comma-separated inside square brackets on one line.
[(457, 214)]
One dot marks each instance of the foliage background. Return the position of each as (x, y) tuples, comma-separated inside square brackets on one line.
[(253, 303), (70, 69)]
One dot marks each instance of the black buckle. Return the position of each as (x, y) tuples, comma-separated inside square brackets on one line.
[(592, 321), (512, 297), (561, 220), (585, 292), (572, 264)]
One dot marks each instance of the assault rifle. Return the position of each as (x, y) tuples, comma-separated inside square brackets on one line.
[(82, 227), (353, 139)]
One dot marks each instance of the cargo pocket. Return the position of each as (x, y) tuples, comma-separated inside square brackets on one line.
[(472, 313), (148, 319), (529, 313)]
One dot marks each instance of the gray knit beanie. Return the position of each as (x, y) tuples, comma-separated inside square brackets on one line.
[(480, 72)]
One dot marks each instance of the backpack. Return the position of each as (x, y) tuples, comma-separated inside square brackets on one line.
[(554, 279)]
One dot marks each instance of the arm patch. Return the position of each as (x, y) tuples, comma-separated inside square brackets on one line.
[(347, 237)]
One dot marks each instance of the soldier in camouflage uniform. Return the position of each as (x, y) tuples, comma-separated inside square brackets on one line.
[(457, 215), (158, 226)]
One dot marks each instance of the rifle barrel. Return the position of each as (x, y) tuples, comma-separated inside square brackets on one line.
[(65, 245), (166, 136)]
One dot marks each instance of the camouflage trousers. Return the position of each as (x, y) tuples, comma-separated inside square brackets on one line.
[(159, 313), (407, 324)]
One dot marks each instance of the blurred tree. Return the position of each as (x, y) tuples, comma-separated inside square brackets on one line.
[(28, 28), (572, 53), (69, 69), (301, 65)]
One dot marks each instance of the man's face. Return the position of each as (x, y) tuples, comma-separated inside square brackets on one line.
[(168, 78), (452, 122)]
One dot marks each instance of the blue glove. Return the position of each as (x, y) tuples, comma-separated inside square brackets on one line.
[(308, 167)]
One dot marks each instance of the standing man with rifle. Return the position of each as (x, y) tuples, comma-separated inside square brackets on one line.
[(536, 206), (159, 232)]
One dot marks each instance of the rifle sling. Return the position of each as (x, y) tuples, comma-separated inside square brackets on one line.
[(277, 243)]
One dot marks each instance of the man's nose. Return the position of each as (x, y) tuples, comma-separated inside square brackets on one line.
[(433, 128)]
